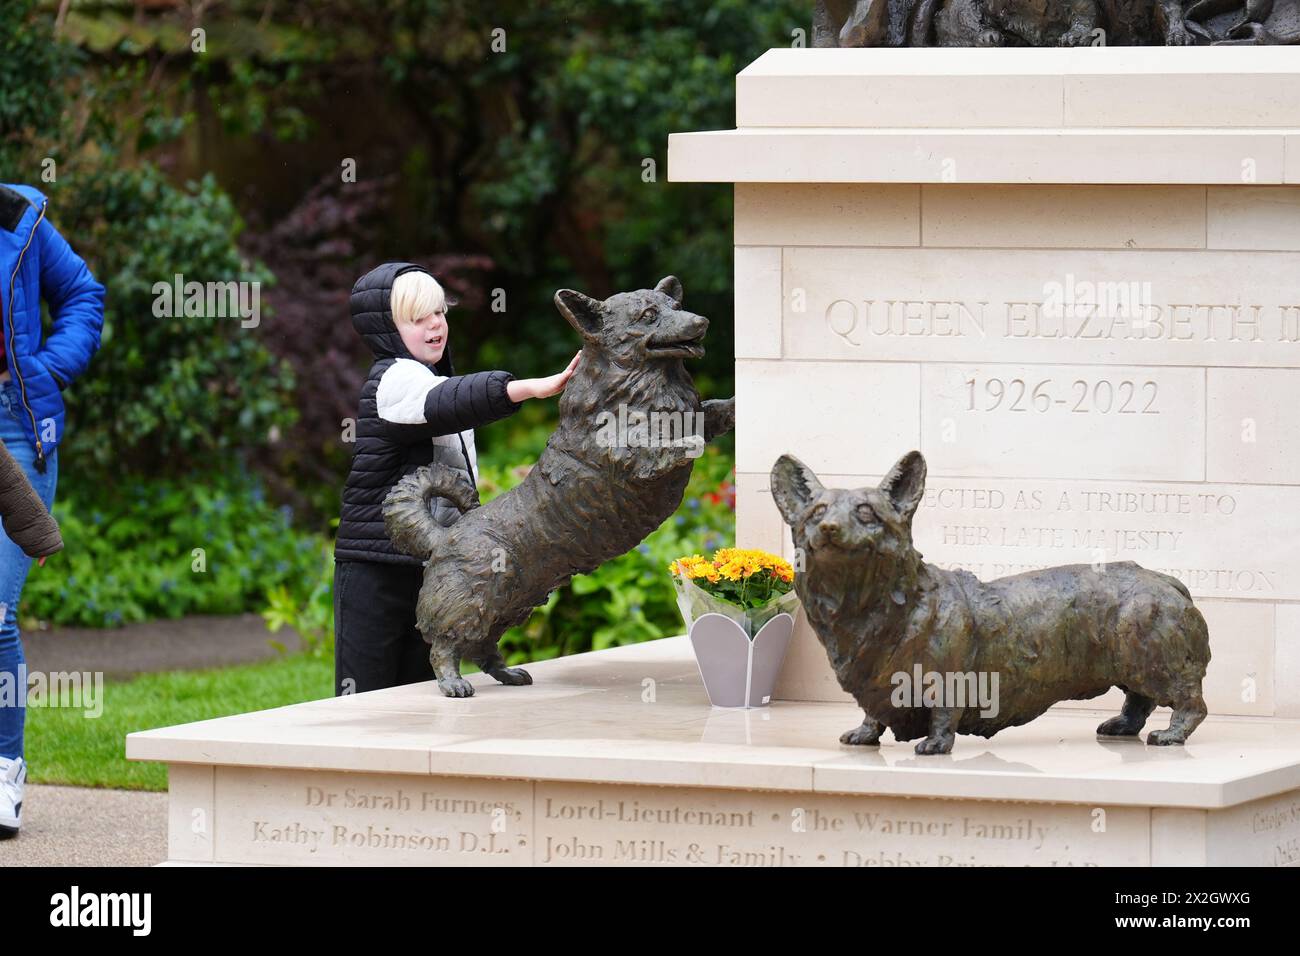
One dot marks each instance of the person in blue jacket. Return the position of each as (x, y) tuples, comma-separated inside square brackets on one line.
[(35, 263)]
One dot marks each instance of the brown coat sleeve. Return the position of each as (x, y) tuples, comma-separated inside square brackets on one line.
[(23, 513)]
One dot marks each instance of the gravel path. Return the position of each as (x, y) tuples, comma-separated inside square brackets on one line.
[(189, 643), (78, 826)]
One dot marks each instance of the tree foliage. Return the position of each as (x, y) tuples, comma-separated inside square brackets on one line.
[(517, 147), (164, 394)]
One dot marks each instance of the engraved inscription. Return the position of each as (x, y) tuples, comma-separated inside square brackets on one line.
[(1060, 421), (607, 825), (293, 816), (1280, 826), (1105, 395), (1083, 306), (1220, 541), (1260, 833), (857, 322)]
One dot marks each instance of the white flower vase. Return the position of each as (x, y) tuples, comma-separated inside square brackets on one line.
[(737, 671), (738, 650)]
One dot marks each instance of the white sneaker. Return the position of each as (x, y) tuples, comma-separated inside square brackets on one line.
[(13, 777)]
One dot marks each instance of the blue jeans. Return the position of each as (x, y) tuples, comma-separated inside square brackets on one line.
[(14, 564)]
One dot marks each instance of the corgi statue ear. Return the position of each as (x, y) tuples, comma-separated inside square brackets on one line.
[(905, 484), (794, 487), (584, 313), (671, 287)]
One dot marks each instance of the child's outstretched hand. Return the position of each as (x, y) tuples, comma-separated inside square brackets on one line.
[(522, 388)]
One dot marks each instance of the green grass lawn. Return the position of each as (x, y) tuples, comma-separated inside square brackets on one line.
[(65, 746)]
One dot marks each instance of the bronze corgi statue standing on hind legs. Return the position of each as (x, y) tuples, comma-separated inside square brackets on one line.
[(592, 496)]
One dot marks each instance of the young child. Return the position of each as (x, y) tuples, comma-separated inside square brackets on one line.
[(414, 410)]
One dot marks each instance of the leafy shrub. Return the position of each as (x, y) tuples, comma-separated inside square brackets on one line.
[(30, 67), (165, 394), (134, 555), (307, 607)]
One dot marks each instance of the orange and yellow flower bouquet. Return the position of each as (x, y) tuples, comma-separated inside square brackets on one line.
[(750, 587)]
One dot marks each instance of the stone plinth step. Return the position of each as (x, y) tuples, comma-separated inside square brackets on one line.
[(616, 757), (1117, 115), (1005, 156)]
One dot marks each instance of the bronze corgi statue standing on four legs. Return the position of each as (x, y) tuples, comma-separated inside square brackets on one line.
[(1063, 633), (631, 426)]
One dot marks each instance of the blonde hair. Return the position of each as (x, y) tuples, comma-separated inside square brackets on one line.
[(416, 294)]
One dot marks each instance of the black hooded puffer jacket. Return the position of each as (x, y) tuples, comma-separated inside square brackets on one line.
[(410, 414)]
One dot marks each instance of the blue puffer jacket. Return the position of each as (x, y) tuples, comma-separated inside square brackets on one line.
[(36, 262)]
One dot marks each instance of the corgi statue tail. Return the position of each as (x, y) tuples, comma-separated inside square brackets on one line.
[(408, 517)]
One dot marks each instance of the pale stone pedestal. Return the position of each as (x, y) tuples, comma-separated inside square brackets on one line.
[(1071, 278), (615, 757)]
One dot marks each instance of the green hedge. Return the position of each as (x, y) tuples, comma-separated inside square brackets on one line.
[(163, 549)]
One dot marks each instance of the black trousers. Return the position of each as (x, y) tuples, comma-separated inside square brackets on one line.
[(376, 642)]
